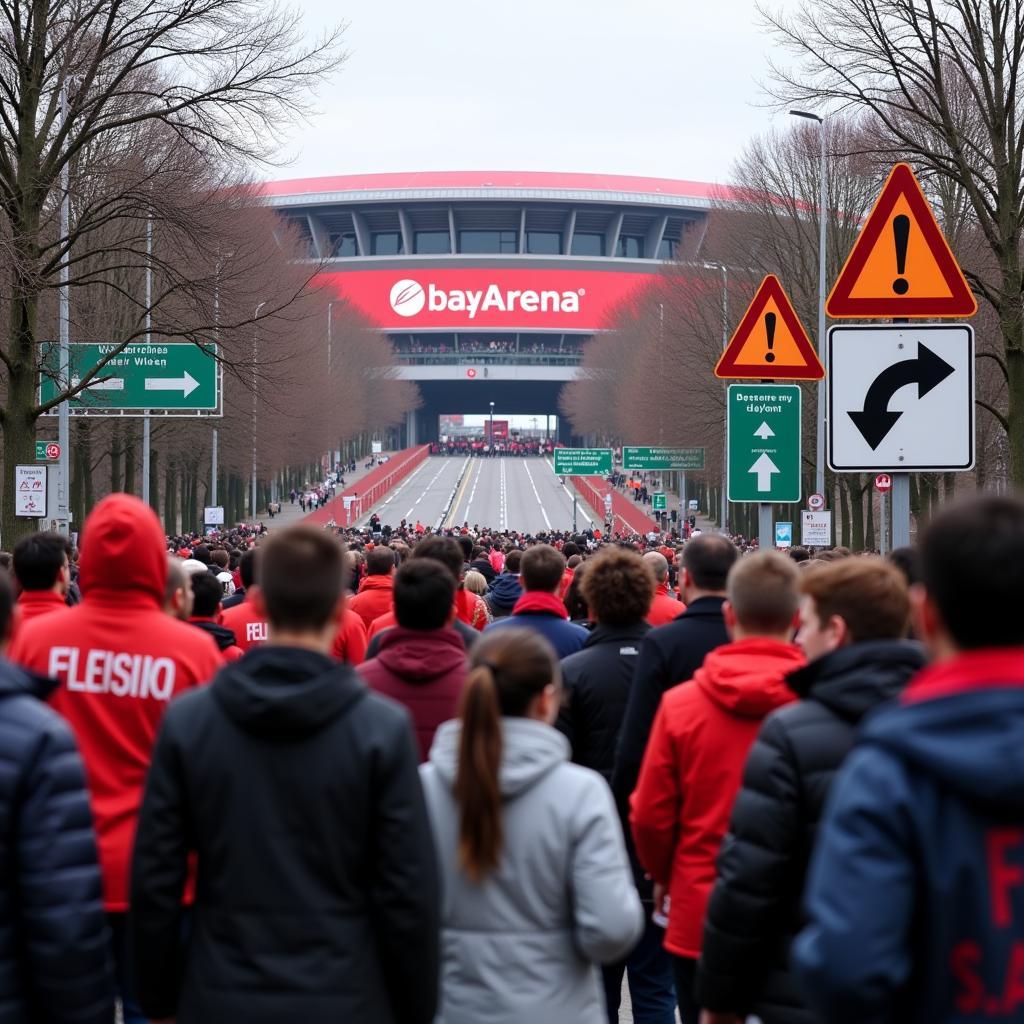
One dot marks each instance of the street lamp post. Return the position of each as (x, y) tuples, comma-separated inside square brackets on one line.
[(819, 455), (255, 317), (492, 428), (725, 341)]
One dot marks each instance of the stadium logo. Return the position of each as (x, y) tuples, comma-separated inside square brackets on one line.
[(408, 298)]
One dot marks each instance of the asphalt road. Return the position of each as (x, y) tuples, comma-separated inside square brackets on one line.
[(520, 494)]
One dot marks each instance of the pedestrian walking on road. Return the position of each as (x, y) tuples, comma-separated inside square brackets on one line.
[(536, 882), (672, 654), (421, 662), (119, 660), (853, 617), (540, 608), (694, 760), (915, 898), (617, 588), (55, 964), (295, 788)]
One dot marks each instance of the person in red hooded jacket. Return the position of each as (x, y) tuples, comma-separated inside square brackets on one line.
[(119, 660), (693, 765)]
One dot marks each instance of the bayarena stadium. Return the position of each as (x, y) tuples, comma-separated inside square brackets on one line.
[(489, 284)]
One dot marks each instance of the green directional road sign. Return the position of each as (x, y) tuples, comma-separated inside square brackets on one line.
[(583, 461), (156, 375), (47, 451), (673, 459), (659, 502), (764, 442)]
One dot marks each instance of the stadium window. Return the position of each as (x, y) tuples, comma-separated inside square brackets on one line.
[(386, 243), (488, 241), (344, 245), (631, 247), (587, 244), (547, 243), (667, 249), (433, 241)]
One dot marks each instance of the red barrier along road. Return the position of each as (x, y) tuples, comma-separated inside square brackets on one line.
[(368, 490), (627, 516)]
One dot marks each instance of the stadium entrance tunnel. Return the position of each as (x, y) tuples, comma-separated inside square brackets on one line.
[(474, 398)]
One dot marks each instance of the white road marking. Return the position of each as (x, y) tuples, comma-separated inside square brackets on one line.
[(408, 515), (365, 518), (503, 508), (472, 493), (543, 512), (451, 497)]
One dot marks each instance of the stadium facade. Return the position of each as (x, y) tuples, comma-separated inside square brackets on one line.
[(489, 284)]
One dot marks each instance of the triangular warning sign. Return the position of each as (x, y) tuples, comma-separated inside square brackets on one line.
[(901, 265), (770, 342)]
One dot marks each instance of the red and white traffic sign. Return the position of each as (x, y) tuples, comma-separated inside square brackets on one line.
[(815, 502), (53, 450), (883, 483)]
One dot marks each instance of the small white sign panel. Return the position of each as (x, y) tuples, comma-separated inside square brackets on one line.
[(816, 529), (783, 535), (213, 515), (901, 398), (30, 491)]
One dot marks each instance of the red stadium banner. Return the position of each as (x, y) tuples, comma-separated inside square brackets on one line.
[(455, 298)]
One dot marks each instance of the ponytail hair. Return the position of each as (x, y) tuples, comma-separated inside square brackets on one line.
[(508, 670)]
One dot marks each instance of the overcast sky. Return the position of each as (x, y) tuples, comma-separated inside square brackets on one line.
[(668, 88)]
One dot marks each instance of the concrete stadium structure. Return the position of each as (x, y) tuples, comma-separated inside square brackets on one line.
[(489, 284)]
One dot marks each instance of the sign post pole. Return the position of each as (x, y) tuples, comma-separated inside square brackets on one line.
[(900, 510), (575, 502), (883, 525), (765, 527)]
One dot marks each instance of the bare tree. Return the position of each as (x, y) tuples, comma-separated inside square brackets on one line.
[(141, 105), (943, 80)]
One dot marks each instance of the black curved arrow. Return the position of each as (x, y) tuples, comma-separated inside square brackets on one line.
[(927, 371)]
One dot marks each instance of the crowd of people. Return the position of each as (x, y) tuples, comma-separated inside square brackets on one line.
[(490, 347), (480, 446), (472, 776)]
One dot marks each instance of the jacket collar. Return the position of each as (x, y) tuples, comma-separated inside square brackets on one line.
[(704, 607), (536, 602), (41, 599), (616, 634), (986, 669)]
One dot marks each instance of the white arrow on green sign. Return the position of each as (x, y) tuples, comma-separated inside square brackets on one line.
[(764, 442), (157, 375)]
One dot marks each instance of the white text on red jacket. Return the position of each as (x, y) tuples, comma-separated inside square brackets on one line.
[(114, 672)]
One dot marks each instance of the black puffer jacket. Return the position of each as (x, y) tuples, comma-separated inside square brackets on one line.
[(755, 908), (317, 895), (54, 947), (597, 681)]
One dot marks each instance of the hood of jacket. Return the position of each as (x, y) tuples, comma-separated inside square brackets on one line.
[(123, 550), (506, 589), (286, 692), (529, 751), (962, 722), (748, 677), (421, 655), (854, 679), (223, 637), (376, 582)]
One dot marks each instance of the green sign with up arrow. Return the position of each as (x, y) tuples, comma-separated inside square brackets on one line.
[(764, 442), (144, 375)]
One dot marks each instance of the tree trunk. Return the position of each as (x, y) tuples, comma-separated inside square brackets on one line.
[(856, 492), (129, 459), (115, 458), (1015, 413), (869, 530), (844, 517)]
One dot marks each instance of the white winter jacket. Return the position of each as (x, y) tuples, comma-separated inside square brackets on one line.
[(522, 946)]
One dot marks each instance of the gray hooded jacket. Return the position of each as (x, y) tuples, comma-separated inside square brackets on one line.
[(522, 945)]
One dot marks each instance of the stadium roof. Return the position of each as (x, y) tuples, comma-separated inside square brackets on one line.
[(499, 184)]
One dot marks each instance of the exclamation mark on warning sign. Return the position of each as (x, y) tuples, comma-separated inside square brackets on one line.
[(769, 328), (901, 236)]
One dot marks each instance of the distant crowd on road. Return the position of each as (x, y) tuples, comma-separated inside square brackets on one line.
[(478, 776), (477, 446)]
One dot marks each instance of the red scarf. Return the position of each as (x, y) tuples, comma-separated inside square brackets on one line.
[(987, 669), (538, 601)]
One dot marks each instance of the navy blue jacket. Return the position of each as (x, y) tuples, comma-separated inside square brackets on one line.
[(565, 636), (916, 891), (54, 947)]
